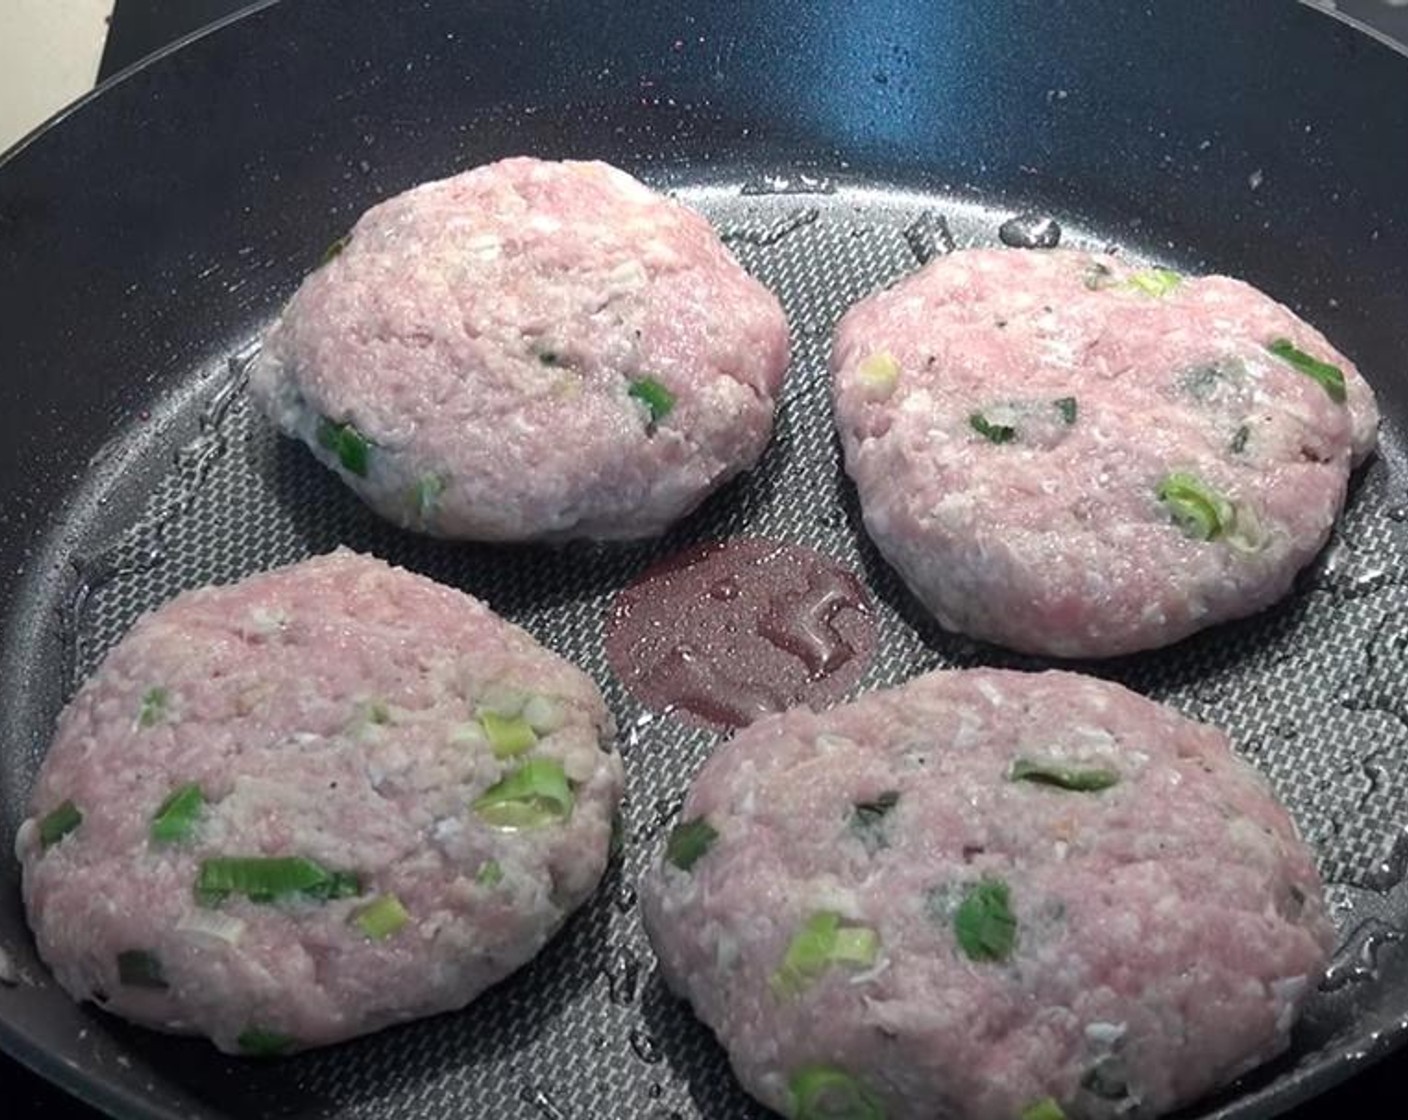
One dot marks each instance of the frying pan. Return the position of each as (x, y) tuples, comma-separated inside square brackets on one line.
[(146, 238)]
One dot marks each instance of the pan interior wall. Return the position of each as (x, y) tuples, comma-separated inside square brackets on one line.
[(1313, 692)]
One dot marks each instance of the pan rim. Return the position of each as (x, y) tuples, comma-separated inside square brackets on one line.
[(1311, 1081)]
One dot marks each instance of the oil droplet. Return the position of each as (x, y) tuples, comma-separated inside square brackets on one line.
[(625, 897), (802, 183), (1358, 959), (1397, 513), (665, 810), (928, 236), (623, 977), (1377, 688), (541, 1102), (1329, 565), (1367, 581), (772, 234), (1393, 868), (1030, 231), (645, 1046)]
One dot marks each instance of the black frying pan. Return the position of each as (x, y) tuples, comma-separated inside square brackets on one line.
[(146, 238)]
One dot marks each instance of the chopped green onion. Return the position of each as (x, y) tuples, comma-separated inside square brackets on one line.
[(347, 443), (153, 709), (1239, 441), (259, 1043), (137, 968), (508, 735), (689, 841), (1066, 406), (856, 945), (381, 917), (57, 824), (1201, 512), (266, 878), (1155, 281), (997, 433), (547, 356), (826, 1093), (868, 820), (335, 249), (534, 795), (983, 922), (821, 943), (378, 712), (490, 873), (618, 837), (1074, 778), (1330, 378), (176, 818), (879, 373), (425, 495), (654, 396), (1044, 1109)]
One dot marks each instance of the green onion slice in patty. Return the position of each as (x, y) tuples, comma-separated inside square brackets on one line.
[(153, 709), (1330, 378), (137, 968), (490, 873), (176, 819), (689, 841), (996, 433), (1239, 440), (259, 1043), (54, 826), (654, 396), (266, 878), (508, 735), (333, 251), (821, 943), (1075, 778), (1044, 1109), (381, 917), (1067, 408), (826, 1093), (349, 445), (425, 495), (1155, 281), (535, 794), (984, 923), (1200, 511)]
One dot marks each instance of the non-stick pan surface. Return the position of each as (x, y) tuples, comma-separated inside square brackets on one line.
[(146, 239)]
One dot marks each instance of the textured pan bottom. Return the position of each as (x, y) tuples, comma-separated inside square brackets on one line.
[(1314, 692)]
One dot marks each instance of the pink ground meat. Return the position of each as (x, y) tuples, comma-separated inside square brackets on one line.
[(338, 712), (529, 350), (1039, 886), (1066, 455)]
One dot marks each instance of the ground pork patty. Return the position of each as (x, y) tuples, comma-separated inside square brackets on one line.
[(529, 350), (437, 787), (983, 891), (1066, 455)]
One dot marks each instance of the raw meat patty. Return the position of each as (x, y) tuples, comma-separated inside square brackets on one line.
[(322, 800), (987, 895), (529, 350), (1069, 456)]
